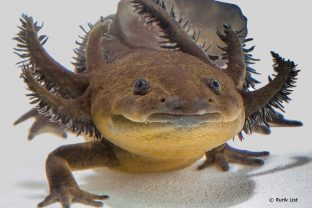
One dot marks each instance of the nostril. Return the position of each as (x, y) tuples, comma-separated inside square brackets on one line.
[(162, 100), (211, 100)]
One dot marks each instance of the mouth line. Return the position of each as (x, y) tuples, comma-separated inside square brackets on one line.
[(185, 119), (179, 120)]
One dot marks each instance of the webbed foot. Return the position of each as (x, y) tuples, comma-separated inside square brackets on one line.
[(41, 125), (68, 195), (224, 154)]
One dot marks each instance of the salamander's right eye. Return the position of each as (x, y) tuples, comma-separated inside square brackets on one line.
[(141, 87), (214, 85)]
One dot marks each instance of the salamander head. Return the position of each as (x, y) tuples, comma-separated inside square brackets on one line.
[(153, 102)]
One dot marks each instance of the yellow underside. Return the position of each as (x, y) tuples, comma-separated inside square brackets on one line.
[(163, 147)]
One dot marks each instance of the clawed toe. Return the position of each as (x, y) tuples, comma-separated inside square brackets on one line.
[(225, 154), (47, 201), (246, 160), (217, 159), (205, 164), (243, 153), (67, 196)]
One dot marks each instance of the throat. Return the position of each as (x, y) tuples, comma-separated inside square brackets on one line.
[(134, 163)]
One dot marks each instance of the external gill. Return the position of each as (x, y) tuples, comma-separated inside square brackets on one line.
[(261, 104), (175, 32), (245, 58), (46, 70), (59, 109)]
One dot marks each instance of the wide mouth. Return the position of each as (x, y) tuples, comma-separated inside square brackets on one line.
[(183, 119), (180, 120)]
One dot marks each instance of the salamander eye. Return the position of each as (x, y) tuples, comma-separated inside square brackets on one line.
[(141, 87), (214, 85)]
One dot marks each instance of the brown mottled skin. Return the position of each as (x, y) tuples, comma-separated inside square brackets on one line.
[(150, 108)]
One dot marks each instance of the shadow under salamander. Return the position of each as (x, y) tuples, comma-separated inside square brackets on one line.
[(298, 161), (183, 188)]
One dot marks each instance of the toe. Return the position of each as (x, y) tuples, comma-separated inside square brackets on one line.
[(47, 201), (205, 164), (246, 160), (222, 162), (90, 202), (65, 200), (244, 153), (95, 196), (87, 198)]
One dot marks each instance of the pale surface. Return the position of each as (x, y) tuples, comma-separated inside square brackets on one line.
[(22, 177)]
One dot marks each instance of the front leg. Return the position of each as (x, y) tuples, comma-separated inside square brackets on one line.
[(222, 155), (60, 163)]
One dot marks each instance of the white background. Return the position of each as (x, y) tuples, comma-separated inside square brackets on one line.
[(282, 26)]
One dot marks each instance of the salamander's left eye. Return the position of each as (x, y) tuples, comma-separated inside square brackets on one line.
[(214, 85), (141, 87)]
